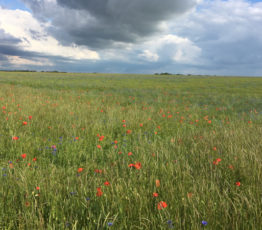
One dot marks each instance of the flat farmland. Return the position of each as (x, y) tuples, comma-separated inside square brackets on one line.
[(112, 151)]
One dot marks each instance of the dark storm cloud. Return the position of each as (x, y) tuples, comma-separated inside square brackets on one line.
[(100, 24), (9, 46), (7, 39)]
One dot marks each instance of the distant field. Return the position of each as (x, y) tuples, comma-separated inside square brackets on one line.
[(111, 151)]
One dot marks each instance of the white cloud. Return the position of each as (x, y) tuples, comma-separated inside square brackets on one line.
[(148, 55), (177, 49), (33, 36), (20, 62)]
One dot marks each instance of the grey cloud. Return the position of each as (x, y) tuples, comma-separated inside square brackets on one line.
[(7, 39), (231, 38), (103, 23)]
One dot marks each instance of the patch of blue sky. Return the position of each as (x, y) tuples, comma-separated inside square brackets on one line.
[(13, 5)]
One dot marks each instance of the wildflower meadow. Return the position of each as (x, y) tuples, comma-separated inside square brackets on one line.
[(111, 151)]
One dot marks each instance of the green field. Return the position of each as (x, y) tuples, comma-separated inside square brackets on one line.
[(111, 151)]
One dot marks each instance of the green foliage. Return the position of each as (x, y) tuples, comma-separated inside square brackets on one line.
[(177, 127)]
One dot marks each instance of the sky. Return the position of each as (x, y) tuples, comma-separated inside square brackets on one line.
[(214, 37)]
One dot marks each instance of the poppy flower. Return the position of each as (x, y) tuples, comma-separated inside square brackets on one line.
[(98, 171), (124, 125), (37, 188), (131, 166), (157, 183), (15, 138), (129, 131), (215, 162), (141, 125), (130, 153), (161, 205), (34, 159), (231, 166), (30, 117), (24, 123), (155, 194), (99, 192), (215, 148), (115, 142), (106, 183), (80, 170), (137, 165), (209, 122), (238, 183), (99, 146), (23, 155)]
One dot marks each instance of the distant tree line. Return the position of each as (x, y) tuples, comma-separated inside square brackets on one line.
[(19, 70)]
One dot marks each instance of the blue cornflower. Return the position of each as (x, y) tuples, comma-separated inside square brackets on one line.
[(87, 198), (110, 224), (204, 222), (170, 224)]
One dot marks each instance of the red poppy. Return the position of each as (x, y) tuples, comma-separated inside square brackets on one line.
[(157, 183), (141, 125), (37, 188), (129, 131), (124, 125), (23, 155), (76, 138), (24, 123), (98, 171), (137, 165), (209, 122), (131, 166), (34, 159), (161, 205), (99, 146), (15, 138), (101, 138), (155, 194), (231, 166), (215, 148), (80, 170), (106, 183), (215, 162), (115, 142), (99, 192), (130, 153), (30, 117), (238, 183)]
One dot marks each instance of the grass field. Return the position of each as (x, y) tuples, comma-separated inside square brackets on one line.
[(109, 151)]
